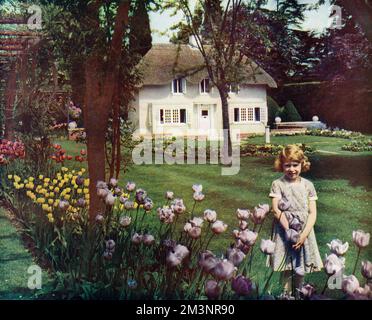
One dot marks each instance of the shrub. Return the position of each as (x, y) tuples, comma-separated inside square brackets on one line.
[(273, 110), (290, 112)]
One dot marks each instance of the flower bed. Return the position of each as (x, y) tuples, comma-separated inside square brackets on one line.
[(99, 259), (266, 150), (358, 145)]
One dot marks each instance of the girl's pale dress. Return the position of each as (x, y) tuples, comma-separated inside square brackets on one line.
[(307, 258)]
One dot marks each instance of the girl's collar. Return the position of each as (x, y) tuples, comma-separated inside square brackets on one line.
[(289, 181)]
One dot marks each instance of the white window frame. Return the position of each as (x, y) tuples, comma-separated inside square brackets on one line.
[(181, 82), (172, 110), (245, 109), (209, 86)]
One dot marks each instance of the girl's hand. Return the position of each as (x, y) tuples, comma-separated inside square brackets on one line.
[(300, 242)]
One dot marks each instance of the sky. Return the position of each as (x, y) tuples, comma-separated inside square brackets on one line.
[(160, 22)]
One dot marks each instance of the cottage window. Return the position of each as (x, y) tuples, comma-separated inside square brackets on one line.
[(204, 86), (172, 116), (179, 85), (247, 114), (234, 88)]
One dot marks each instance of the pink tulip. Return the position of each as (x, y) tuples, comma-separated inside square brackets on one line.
[(107, 255), (306, 291), (196, 222), (110, 199), (137, 238), (169, 195), (166, 215), (224, 270), (125, 221), (198, 196), (361, 238), (123, 200), (350, 284), (181, 251), (259, 215), (101, 185), (197, 188), (243, 224), (110, 245), (236, 233), (242, 285), (235, 256), (248, 237), (194, 232), (141, 196), (210, 215), (99, 218), (187, 227), (212, 290), (363, 293), (219, 227), (148, 239), (102, 193), (367, 270), (337, 247), (63, 205), (130, 186), (177, 206), (173, 260), (267, 246), (129, 205), (243, 214), (113, 182), (118, 192), (333, 264), (148, 205), (265, 207)]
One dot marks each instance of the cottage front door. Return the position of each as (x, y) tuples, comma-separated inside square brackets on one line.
[(204, 119)]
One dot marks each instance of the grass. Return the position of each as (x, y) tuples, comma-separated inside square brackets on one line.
[(14, 263), (342, 181)]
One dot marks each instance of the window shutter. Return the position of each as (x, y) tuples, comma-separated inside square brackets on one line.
[(263, 114), (231, 114), (149, 114), (183, 81)]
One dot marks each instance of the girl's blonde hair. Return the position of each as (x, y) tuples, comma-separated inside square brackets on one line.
[(292, 152)]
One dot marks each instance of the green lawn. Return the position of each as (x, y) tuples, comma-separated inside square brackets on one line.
[(14, 263), (343, 183), (342, 179)]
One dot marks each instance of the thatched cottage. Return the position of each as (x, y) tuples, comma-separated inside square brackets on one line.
[(176, 102)]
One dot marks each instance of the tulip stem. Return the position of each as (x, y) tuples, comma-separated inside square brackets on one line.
[(356, 262), (193, 207), (325, 285)]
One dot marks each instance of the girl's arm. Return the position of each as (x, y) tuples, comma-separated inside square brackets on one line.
[(309, 224), (279, 214)]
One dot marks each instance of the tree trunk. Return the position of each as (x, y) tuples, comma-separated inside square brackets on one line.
[(225, 123), (10, 95)]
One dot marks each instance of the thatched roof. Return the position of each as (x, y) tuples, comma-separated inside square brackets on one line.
[(164, 62)]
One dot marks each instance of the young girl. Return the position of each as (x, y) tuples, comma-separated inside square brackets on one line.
[(294, 206)]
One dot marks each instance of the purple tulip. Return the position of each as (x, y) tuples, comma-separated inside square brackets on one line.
[(63, 205), (148, 205), (367, 270), (101, 185), (79, 180), (267, 246), (212, 289), (141, 195), (81, 202), (361, 238), (306, 291), (333, 264), (224, 270), (292, 235), (129, 205), (337, 247), (110, 245), (123, 200), (248, 237), (137, 238), (118, 192), (259, 215), (113, 182), (235, 255), (207, 261), (102, 193), (107, 255), (194, 232), (350, 284), (242, 285)]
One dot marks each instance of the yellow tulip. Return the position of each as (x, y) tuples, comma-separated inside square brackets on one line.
[(50, 201), (50, 217), (40, 200), (41, 177), (85, 190), (79, 191), (31, 179), (56, 189), (10, 177), (86, 182)]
